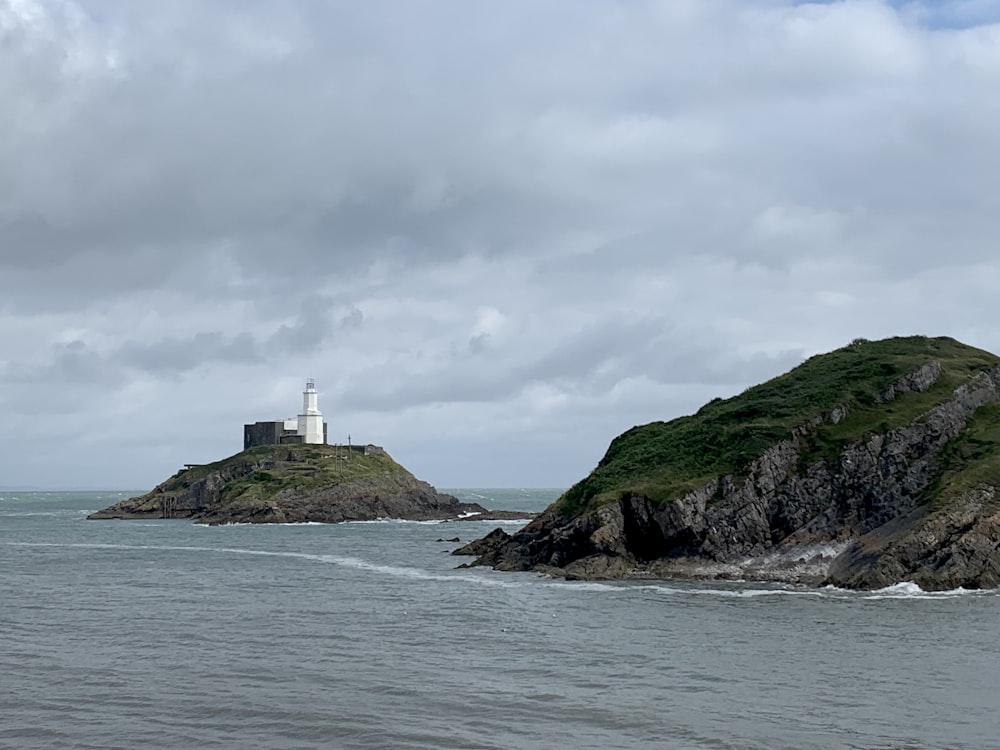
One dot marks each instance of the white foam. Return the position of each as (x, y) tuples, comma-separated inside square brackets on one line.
[(398, 520), (491, 523), (898, 591), (663, 588), (910, 590), (350, 562), (429, 522), (309, 523), (407, 572), (748, 593), (587, 585), (251, 523), (905, 588)]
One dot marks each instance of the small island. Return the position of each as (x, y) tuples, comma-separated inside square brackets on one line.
[(875, 464), (287, 473)]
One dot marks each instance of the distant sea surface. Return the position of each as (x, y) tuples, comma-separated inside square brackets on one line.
[(164, 634)]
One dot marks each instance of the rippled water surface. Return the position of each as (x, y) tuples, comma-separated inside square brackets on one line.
[(163, 634)]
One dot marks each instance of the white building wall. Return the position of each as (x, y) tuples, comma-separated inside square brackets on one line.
[(311, 426), (310, 421)]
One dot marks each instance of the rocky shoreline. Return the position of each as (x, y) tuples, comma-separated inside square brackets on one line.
[(873, 515), (298, 484), (936, 551)]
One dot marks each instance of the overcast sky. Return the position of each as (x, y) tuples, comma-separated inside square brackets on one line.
[(497, 234)]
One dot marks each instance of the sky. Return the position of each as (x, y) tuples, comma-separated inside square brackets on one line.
[(496, 234)]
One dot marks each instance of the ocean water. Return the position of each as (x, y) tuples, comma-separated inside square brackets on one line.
[(164, 634)]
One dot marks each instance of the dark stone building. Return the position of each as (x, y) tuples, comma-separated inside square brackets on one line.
[(273, 433)]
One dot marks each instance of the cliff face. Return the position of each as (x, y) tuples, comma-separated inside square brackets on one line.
[(294, 483), (913, 502)]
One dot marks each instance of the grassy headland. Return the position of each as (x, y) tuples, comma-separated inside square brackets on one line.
[(665, 459), (302, 468)]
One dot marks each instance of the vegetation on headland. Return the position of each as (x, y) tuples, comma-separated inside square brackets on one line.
[(265, 470), (663, 460), (294, 484), (972, 460)]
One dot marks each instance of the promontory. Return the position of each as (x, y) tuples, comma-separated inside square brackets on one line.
[(297, 483), (875, 464)]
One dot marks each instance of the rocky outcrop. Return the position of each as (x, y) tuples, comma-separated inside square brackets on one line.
[(296, 484), (860, 520), (365, 499), (957, 547), (187, 496)]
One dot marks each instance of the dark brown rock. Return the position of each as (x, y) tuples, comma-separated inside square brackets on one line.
[(294, 484), (859, 521)]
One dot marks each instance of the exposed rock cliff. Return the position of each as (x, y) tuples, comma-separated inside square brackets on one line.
[(893, 480), (296, 483)]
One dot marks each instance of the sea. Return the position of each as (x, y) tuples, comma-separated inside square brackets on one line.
[(167, 634)]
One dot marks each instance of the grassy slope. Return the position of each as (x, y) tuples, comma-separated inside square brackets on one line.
[(310, 467), (973, 459), (665, 459)]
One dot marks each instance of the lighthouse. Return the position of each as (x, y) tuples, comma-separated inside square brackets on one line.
[(310, 425), (307, 427)]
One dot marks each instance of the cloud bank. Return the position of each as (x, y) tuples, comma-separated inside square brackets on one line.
[(496, 234)]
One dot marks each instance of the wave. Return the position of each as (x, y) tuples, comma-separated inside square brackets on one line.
[(401, 571), (627, 586), (399, 520), (477, 496), (905, 590), (350, 562), (314, 523), (910, 590), (62, 513), (468, 518), (748, 593), (248, 523)]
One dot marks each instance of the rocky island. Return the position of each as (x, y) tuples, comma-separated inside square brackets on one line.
[(872, 465), (296, 483)]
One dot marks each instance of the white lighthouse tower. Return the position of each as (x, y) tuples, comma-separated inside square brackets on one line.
[(310, 420)]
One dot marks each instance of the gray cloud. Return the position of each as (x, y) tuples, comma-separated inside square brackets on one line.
[(539, 222), (179, 355)]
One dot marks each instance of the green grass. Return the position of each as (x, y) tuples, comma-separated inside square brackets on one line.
[(665, 459), (302, 468), (971, 460)]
